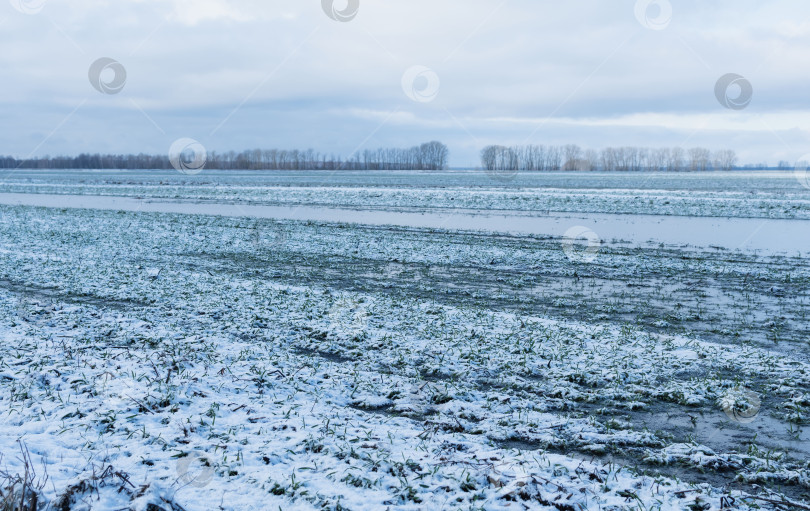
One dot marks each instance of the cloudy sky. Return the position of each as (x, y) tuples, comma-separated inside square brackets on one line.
[(240, 74)]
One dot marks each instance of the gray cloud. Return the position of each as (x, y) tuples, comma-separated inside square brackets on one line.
[(285, 75)]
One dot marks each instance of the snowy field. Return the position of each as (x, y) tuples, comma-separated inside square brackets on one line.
[(237, 341)]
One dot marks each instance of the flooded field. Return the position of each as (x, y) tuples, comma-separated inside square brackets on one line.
[(768, 236), (421, 340)]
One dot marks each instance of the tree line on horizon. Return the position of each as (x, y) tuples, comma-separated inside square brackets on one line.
[(573, 157), (428, 156)]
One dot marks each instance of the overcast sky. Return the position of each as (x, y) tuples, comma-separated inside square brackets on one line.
[(240, 74)]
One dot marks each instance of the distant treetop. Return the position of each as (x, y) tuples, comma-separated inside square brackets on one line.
[(428, 156), (572, 157)]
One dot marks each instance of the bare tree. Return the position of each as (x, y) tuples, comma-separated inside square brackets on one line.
[(658, 158), (699, 159), (591, 160), (572, 154), (725, 159), (677, 157), (489, 157), (608, 159)]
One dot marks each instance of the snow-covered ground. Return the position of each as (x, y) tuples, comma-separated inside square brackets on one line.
[(204, 362), (714, 194)]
